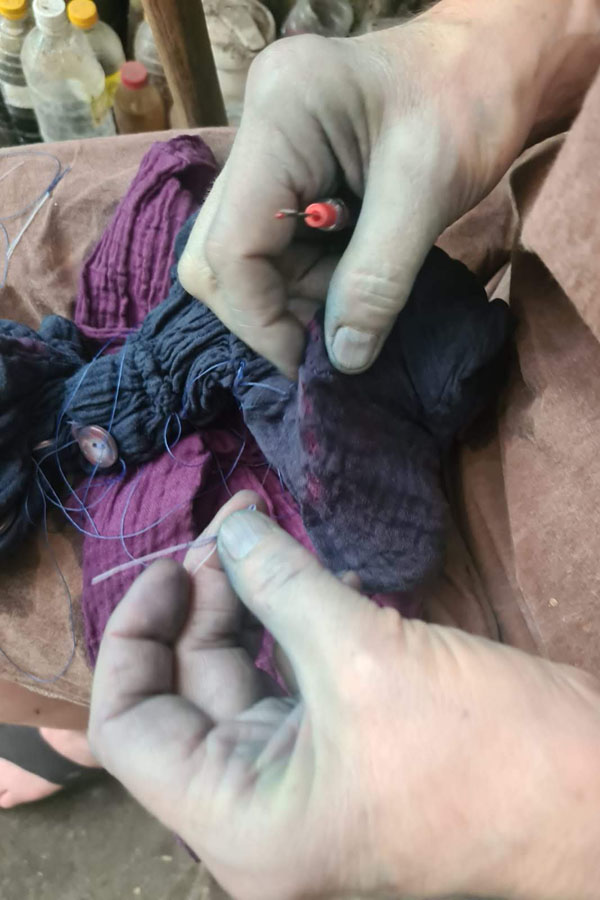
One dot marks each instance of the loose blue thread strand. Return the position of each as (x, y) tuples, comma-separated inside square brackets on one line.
[(83, 507), (35, 205)]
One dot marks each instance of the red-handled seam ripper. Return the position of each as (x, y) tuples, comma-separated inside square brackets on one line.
[(331, 214)]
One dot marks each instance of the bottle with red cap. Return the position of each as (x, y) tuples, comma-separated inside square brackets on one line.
[(138, 104)]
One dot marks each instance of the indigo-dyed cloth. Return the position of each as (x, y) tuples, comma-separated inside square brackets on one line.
[(361, 454), (34, 370)]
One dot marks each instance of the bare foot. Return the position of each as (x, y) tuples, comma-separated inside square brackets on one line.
[(20, 786)]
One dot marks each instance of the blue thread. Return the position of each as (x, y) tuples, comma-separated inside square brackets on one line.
[(188, 386), (103, 537), (236, 461), (35, 205), (122, 538), (238, 382), (180, 462), (106, 488), (57, 177), (110, 425), (59, 420), (239, 375)]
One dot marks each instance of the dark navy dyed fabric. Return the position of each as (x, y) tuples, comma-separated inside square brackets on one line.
[(361, 454)]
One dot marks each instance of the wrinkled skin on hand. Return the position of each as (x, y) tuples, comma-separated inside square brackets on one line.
[(411, 760), (419, 121)]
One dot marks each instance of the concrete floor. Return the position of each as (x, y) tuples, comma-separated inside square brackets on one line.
[(95, 844)]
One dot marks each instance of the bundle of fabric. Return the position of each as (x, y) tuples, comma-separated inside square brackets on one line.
[(360, 454)]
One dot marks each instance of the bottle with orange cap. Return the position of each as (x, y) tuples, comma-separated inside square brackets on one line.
[(104, 40), (15, 24), (138, 104)]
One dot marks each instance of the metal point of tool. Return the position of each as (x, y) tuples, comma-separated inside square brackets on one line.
[(284, 213)]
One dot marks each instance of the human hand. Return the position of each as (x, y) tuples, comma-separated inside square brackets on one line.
[(420, 121), (414, 760)]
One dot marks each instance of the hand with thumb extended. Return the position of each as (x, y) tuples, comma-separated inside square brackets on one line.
[(413, 760), (419, 122)]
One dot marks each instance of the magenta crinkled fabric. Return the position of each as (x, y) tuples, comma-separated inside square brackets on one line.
[(178, 496), (127, 275)]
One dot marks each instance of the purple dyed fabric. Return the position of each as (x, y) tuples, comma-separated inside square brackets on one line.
[(125, 278), (362, 454), (170, 501), (127, 275)]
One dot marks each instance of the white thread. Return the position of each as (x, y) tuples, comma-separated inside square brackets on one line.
[(166, 551), (205, 560)]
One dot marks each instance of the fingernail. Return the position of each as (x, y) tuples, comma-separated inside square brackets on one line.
[(242, 531), (353, 349)]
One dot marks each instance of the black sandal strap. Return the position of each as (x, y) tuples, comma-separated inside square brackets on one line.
[(26, 748)]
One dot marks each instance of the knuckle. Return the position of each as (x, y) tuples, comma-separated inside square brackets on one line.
[(269, 74), (370, 660), (276, 571), (217, 250), (196, 276), (372, 295), (282, 66)]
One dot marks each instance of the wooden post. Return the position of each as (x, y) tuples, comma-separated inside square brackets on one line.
[(179, 29)]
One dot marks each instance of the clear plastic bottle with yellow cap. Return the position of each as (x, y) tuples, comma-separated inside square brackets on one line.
[(15, 24), (67, 83), (104, 41)]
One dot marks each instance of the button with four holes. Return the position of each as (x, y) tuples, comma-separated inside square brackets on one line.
[(97, 445)]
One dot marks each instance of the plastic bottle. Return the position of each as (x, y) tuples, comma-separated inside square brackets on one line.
[(15, 23), (103, 40), (114, 13), (331, 18), (238, 32), (66, 80), (138, 104), (135, 15), (145, 51)]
